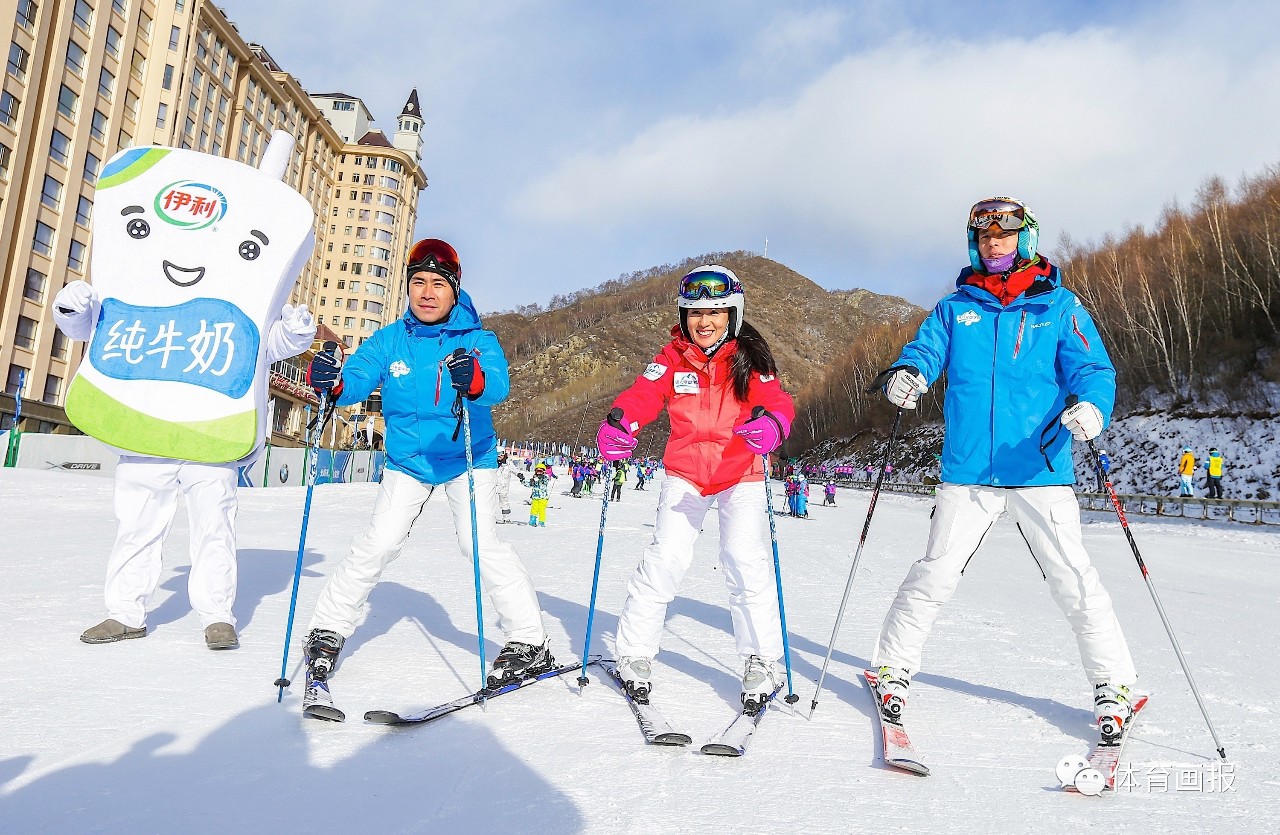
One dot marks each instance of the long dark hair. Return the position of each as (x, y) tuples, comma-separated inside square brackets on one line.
[(753, 354)]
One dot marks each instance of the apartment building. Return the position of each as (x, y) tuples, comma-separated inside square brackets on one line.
[(88, 77)]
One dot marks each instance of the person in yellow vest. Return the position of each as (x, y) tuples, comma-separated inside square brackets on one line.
[(1186, 470), (1213, 468)]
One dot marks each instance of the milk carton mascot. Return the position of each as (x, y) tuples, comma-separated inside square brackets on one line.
[(194, 257)]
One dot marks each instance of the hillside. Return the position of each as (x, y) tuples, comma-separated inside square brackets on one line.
[(568, 363)]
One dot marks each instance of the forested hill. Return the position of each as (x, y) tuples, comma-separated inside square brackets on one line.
[(569, 362)]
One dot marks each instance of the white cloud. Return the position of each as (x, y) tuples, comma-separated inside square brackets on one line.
[(885, 150)]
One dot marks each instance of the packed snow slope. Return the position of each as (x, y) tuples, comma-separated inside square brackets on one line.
[(162, 735)]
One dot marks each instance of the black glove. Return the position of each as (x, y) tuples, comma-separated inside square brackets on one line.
[(465, 373), (325, 371)]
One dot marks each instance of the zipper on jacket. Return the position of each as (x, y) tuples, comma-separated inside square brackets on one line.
[(995, 358), (1022, 323)]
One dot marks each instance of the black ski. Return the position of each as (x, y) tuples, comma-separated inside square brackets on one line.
[(317, 701), (654, 726), (387, 717), (732, 741)]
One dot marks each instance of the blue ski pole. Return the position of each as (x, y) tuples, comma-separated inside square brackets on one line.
[(465, 417), (312, 470), (615, 418), (792, 698)]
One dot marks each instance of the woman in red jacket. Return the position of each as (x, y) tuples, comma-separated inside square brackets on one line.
[(718, 381)]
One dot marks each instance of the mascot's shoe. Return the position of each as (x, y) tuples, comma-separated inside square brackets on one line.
[(221, 636), (110, 631)]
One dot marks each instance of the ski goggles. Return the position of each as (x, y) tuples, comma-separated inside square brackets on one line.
[(708, 284), (435, 256), (1007, 214)]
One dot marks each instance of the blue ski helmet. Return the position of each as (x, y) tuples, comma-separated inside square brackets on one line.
[(1009, 214)]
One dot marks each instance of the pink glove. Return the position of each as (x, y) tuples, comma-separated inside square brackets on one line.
[(764, 431), (613, 440)]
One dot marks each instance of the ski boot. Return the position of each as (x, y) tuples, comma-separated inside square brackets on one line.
[(759, 681), (891, 692), (322, 651), (1111, 708), (519, 661), (636, 674)]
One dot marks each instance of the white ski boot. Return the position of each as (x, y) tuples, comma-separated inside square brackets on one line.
[(1111, 708), (636, 673), (891, 692), (759, 681)]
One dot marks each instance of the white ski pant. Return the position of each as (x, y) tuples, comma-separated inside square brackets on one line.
[(401, 499), (146, 497), (1049, 519), (745, 558)]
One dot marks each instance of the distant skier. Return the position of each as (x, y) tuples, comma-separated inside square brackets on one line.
[(425, 453), (1186, 471), (829, 493), (617, 479), (1102, 469), (539, 495), (505, 469), (802, 496), (640, 476), (1213, 473), (1015, 345), (716, 370)]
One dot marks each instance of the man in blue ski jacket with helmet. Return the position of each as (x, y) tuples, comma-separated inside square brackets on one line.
[(425, 363), (1026, 373)]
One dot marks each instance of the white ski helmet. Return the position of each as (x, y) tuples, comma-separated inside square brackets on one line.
[(711, 286), (1009, 214)]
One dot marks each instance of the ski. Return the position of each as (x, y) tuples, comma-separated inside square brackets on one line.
[(387, 717), (656, 729), (1097, 773), (732, 741), (317, 702), (898, 751)]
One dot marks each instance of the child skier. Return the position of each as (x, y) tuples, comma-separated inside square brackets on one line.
[(539, 494), (829, 493), (718, 381)]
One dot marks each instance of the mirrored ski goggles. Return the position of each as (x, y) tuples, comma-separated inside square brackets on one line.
[(435, 256), (707, 284), (1007, 215)]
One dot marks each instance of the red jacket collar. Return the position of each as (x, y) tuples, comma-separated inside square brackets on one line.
[(1008, 286), (695, 355)]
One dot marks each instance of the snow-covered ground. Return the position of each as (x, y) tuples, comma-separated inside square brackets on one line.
[(162, 735)]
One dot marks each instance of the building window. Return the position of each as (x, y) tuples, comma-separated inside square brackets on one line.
[(123, 140), (18, 59), (83, 15), (5, 153), (359, 250), (167, 81), (349, 322), (389, 182), (368, 179), (380, 253), (75, 59), (51, 195), (52, 387), (174, 34), (75, 257), (382, 235), (60, 147), (189, 127), (344, 105), (8, 108), (138, 65), (131, 104), (106, 83), (98, 127), (26, 335), (34, 288), (61, 344), (342, 266), (26, 14), (91, 166), (378, 271), (113, 42), (13, 385), (353, 304), (144, 25), (180, 6), (324, 301), (84, 212), (337, 320), (162, 114), (371, 162), (374, 290), (387, 200), (366, 197), (42, 241), (120, 6)]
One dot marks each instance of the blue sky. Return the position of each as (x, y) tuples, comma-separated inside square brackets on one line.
[(569, 142)]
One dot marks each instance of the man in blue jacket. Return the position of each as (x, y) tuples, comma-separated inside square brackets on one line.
[(1015, 346), (422, 374)]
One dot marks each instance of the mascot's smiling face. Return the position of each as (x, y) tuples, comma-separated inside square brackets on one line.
[(173, 225)]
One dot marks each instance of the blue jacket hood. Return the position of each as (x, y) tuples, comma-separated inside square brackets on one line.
[(461, 319)]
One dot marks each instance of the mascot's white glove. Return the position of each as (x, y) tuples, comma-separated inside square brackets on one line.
[(905, 386), (298, 320), (1084, 420), (74, 309), (75, 299)]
